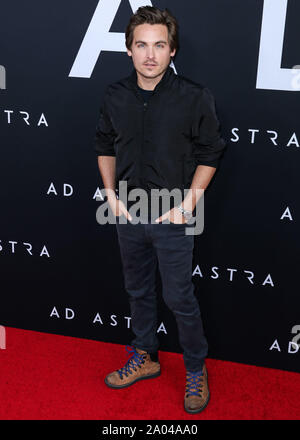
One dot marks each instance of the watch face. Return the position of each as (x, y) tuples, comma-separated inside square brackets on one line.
[(188, 215)]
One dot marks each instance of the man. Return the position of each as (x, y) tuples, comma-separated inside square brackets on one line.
[(158, 130)]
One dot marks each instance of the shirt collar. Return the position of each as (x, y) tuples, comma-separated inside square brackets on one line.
[(167, 76)]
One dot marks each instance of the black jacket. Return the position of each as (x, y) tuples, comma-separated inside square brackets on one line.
[(159, 143)]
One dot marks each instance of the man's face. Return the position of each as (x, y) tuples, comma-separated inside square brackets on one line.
[(150, 50)]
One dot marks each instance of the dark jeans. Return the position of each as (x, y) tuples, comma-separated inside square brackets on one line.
[(142, 246)]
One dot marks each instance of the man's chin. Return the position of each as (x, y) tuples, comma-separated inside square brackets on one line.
[(151, 73)]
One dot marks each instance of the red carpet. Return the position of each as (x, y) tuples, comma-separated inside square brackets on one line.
[(53, 377)]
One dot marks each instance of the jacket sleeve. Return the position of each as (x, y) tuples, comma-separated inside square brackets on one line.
[(208, 142), (105, 135)]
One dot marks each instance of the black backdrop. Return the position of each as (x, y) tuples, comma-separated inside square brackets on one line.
[(60, 270)]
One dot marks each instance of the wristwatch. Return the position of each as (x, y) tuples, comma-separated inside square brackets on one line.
[(187, 214)]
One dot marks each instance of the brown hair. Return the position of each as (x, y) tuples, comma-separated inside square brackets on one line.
[(152, 15)]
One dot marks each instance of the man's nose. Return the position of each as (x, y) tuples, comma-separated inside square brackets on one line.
[(150, 52)]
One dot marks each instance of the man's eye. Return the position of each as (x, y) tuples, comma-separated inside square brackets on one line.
[(140, 45)]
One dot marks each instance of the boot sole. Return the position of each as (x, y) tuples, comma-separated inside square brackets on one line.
[(152, 376)]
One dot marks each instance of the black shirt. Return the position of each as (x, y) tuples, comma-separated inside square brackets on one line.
[(158, 143), (145, 93)]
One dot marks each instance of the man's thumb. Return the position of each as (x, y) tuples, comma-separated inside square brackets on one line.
[(127, 215)]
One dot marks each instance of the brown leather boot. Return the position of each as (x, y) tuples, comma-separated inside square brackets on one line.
[(196, 393), (141, 365)]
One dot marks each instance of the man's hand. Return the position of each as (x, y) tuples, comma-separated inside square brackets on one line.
[(118, 208), (174, 215)]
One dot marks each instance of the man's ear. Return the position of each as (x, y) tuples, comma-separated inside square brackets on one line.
[(172, 54), (129, 53)]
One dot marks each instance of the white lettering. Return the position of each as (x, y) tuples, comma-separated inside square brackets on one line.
[(162, 328), (275, 346), (287, 214), (294, 346), (54, 312), (69, 315), (269, 73)]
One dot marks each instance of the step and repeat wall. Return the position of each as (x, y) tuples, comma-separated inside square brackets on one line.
[(61, 271)]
